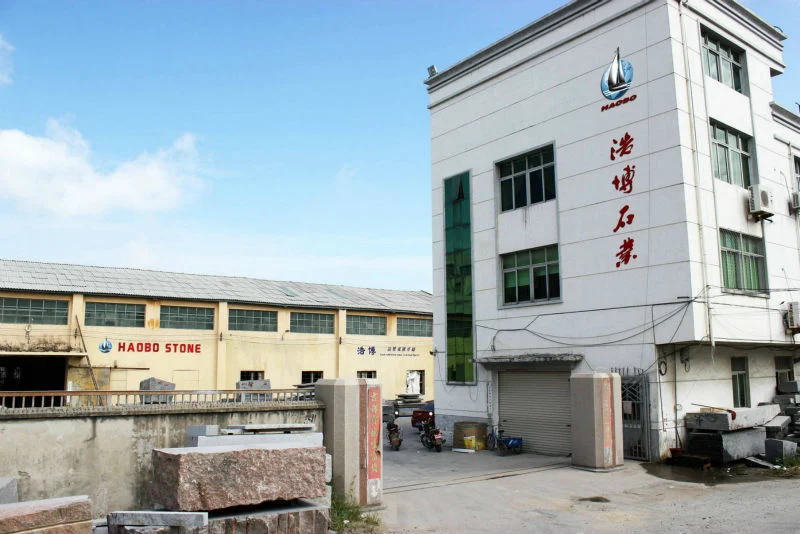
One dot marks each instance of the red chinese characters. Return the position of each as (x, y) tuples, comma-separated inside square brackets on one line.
[(623, 218), (625, 253), (624, 182), (623, 148)]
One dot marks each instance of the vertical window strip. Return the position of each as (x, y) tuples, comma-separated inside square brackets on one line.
[(187, 318), (722, 61), (253, 320), (743, 263), (411, 327), (311, 323), (366, 325)]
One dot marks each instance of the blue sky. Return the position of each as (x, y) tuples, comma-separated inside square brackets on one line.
[(280, 140)]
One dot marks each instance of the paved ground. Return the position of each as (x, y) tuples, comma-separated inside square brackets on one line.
[(450, 492)]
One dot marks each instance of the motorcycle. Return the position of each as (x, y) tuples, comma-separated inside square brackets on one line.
[(431, 436), (395, 437)]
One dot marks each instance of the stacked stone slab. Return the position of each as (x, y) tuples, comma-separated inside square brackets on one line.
[(214, 478), (156, 384), (255, 384), (302, 519), (64, 515), (724, 438), (149, 522)]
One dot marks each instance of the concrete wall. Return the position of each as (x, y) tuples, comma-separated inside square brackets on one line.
[(109, 457)]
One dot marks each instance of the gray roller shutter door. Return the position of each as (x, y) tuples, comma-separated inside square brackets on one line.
[(536, 406)]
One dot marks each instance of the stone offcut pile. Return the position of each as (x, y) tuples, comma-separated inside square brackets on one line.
[(65, 515), (213, 478)]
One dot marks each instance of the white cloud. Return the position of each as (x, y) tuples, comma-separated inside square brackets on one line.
[(6, 68), (55, 173)]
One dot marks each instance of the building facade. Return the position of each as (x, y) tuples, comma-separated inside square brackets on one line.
[(203, 332), (614, 189)]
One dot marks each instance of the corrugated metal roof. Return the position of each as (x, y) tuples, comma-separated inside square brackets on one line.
[(112, 281)]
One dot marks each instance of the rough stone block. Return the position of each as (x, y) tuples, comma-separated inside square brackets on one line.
[(143, 530), (778, 450), (255, 384), (786, 400), (725, 447), (328, 468), (791, 410), (72, 513), (724, 421), (778, 426), (789, 387), (303, 439), (194, 431), (8, 490), (184, 520), (156, 384), (325, 500), (306, 518), (212, 478)]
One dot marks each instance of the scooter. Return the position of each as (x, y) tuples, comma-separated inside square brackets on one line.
[(432, 437), (395, 437)]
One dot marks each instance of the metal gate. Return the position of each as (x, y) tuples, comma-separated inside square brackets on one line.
[(635, 414)]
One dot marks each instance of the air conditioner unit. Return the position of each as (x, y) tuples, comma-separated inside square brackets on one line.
[(793, 317), (761, 202), (795, 200)]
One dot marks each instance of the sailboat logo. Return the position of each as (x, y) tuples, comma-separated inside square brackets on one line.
[(105, 346), (617, 78)]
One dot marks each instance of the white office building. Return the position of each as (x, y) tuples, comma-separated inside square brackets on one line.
[(614, 189)]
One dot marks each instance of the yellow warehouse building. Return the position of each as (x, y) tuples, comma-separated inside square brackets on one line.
[(203, 332)]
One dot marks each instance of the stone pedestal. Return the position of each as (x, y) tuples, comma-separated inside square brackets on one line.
[(156, 384), (596, 401), (352, 430), (213, 478), (255, 384)]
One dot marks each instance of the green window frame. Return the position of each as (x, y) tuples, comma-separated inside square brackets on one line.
[(722, 61), (252, 320), (187, 318), (458, 280), (730, 155), (114, 314), (366, 325), (531, 275), (409, 327), (34, 311), (311, 323), (743, 261), (527, 179), (740, 378)]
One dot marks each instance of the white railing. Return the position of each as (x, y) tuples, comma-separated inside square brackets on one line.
[(17, 400)]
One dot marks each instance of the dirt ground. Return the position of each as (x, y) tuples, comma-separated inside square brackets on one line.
[(454, 493)]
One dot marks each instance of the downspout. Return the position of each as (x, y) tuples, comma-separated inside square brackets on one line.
[(697, 197)]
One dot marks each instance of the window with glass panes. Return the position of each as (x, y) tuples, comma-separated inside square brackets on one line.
[(741, 382), (113, 314), (784, 369), (366, 325), (730, 155), (722, 61), (34, 311), (797, 171), (246, 376), (311, 323), (187, 318), (366, 374), (743, 265), (253, 320), (309, 377), (414, 327), (531, 275), (527, 179)]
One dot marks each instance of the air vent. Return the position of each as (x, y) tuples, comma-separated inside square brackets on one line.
[(793, 317)]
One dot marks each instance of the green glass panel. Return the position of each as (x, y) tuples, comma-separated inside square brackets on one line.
[(549, 183), (729, 269), (547, 155), (552, 253), (736, 169), (519, 165), (458, 262), (510, 287), (509, 261), (535, 160), (505, 169), (539, 255), (507, 195), (524, 285), (523, 258)]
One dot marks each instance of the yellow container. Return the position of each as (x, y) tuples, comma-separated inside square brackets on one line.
[(469, 442)]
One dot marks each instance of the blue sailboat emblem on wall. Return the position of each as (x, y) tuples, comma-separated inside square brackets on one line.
[(617, 78), (105, 346)]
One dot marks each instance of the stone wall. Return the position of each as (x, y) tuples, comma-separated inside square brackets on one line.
[(108, 456)]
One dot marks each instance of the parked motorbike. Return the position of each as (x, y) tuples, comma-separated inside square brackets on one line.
[(395, 437), (431, 436)]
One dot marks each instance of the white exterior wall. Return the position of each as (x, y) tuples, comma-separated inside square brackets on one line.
[(546, 91)]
